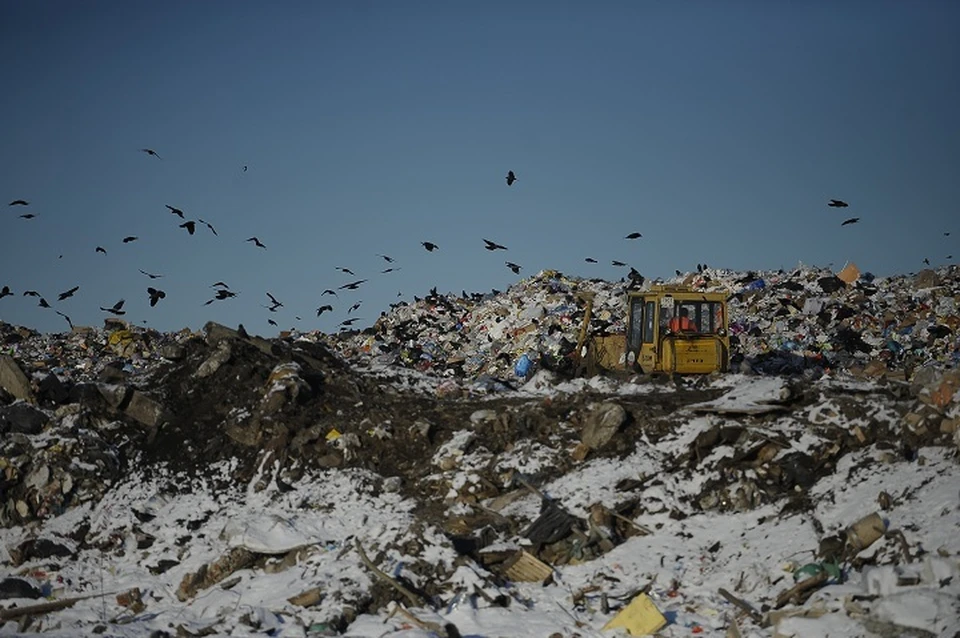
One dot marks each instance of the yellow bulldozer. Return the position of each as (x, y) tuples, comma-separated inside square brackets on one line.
[(669, 329)]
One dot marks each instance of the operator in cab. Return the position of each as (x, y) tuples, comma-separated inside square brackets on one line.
[(682, 322)]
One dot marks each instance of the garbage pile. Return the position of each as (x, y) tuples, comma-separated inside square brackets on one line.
[(781, 323)]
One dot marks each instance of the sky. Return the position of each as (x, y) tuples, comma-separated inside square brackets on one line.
[(337, 132)]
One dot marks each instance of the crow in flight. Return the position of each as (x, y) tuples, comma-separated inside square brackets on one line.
[(31, 293), (101, 249), (590, 260), (67, 294), (69, 323), (492, 245), (275, 304), (511, 178), (633, 235), (346, 270), (116, 309), (208, 225), (43, 303), (323, 309), (257, 242), (27, 216), (514, 267), (329, 292), (189, 225), (355, 306), (618, 264), (852, 220), (925, 260), (271, 322), (430, 246), (151, 276), (386, 270), (155, 296), (219, 283), (349, 322), (129, 239), (837, 203), (19, 202), (175, 211), (353, 285), (223, 293), (150, 151), (5, 292), (386, 258)]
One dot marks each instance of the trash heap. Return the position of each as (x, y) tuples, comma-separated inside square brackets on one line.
[(805, 320)]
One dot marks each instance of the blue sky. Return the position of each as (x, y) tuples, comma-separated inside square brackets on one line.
[(719, 130)]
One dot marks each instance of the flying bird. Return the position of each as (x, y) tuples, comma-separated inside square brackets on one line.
[(208, 225), (329, 292), (130, 238), (271, 322), (324, 308), (349, 322), (590, 260), (492, 245), (223, 293), (189, 225), (633, 236), (511, 178), (151, 276), (275, 304), (386, 258), (244, 168), (430, 246), (926, 261), (19, 202), (618, 264), (27, 216), (68, 293), (355, 306), (175, 210), (43, 303), (946, 234), (837, 203), (150, 151), (155, 296), (101, 249), (69, 323), (346, 270), (514, 267), (31, 293), (219, 283), (852, 220), (353, 285), (115, 309), (386, 270), (5, 292), (257, 242)]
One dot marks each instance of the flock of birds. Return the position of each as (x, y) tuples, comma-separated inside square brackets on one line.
[(222, 290)]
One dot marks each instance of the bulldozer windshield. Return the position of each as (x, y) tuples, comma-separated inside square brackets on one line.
[(692, 316)]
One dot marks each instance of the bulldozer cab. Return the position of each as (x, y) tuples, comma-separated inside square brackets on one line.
[(674, 329)]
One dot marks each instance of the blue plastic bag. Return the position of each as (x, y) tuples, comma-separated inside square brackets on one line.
[(523, 365)]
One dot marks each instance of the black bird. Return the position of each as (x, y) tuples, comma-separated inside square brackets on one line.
[(323, 309), (926, 261), (837, 203), (208, 225), (31, 293), (633, 236), (275, 304), (151, 276), (101, 249), (43, 303), (130, 238), (514, 267), (590, 260), (618, 264), (5, 292), (19, 202), (353, 285), (946, 234), (678, 272), (511, 178), (174, 210), (492, 245), (430, 246), (223, 293), (349, 322), (244, 168), (28, 216), (329, 292), (68, 293), (271, 322), (150, 151), (69, 323), (257, 242), (155, 296), (346, 270), (386, 258), (220, 283), (852, 220), (116, 309), (189, 225), (386, 270), (355, 306)]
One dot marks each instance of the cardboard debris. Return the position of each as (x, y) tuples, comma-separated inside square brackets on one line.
[(849, 274), (640, 618)]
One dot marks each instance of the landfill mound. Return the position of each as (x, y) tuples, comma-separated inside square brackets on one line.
[(150, 482)]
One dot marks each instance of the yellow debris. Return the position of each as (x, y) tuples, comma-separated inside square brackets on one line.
[(640, 618)]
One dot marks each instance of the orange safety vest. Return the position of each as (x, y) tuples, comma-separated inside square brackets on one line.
[(682, 324)]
